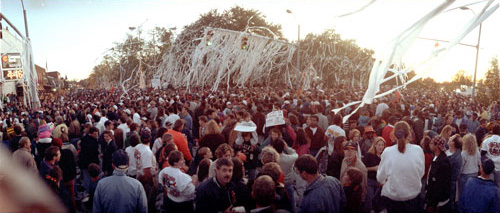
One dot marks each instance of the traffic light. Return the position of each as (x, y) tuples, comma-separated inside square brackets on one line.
[(244, 43), (208, 38)]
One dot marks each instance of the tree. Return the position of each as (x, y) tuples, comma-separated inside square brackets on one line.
[(491, 88), (337, 60), (120, 65), (460, 78)]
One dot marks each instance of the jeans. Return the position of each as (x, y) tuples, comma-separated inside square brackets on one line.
[(497, 177), (462, 180), (453, 193), (86, 179), (371, 189), (290, 191)]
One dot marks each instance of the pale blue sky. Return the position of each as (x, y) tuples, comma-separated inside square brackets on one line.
[(72, 34)]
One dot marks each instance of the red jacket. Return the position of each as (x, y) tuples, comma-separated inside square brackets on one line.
[(386, 134), (181, 143)]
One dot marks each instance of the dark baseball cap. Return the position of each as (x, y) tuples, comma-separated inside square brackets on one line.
[(351, 144)]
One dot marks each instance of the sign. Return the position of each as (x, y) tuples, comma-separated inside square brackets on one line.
[(12, 66), (155, 83), (245, 127), (275, 118), (13, 74), (11, 61)]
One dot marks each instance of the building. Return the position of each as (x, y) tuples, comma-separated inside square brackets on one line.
[(11, 49), (55, 76)]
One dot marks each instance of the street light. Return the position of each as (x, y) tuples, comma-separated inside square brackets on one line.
[(298, 42), (477, 52), (25, 21)]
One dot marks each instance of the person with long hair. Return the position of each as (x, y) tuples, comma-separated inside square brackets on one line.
[(371, 161), (471, 160), (213, 137), (447, 131), (303, 143), (400, 170), (202, 173), (330, 157), (158, 143)]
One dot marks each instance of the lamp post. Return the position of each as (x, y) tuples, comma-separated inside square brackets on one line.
[(298, 42), (35, 102), (477, 52), (25, 20)]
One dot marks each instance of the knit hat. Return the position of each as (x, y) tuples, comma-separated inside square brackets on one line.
[(488, 166), (57, 142), (439, 142), (120, 159)]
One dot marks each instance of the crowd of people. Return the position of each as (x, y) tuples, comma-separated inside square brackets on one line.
[(199, 151)]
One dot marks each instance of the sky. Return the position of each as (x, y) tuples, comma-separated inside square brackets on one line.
[(72, 35)]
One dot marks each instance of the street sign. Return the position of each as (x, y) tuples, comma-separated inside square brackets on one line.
[(12, 66)]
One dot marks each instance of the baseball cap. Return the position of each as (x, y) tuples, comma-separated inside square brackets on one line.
[(120, 159), (351, 144)]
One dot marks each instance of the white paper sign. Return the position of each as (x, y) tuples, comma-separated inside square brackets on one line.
[(275, 118), (244, 128), (155, 83)]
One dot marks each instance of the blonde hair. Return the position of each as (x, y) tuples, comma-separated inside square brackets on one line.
[(372, 149), (167, 137), (212, 128), (353, 132), (446, 129), (470, 144), (269, 154), (203, 151)]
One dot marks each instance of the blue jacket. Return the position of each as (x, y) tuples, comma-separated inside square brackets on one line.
[(120, 193), (479, 195), (456, 164), (325, 194)]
